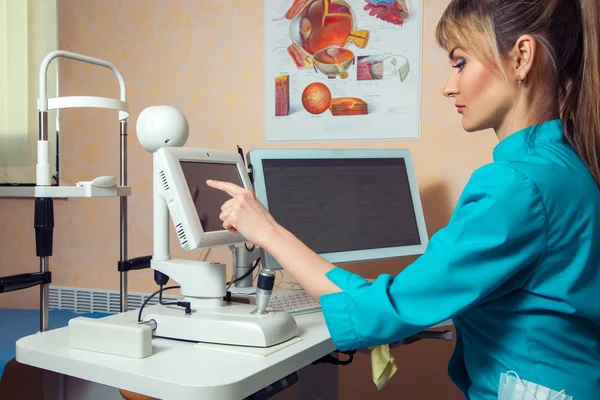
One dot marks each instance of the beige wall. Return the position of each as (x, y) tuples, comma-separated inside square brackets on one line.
[(206, 58)]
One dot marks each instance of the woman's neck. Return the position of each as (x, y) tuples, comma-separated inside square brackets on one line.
[(530, 108)]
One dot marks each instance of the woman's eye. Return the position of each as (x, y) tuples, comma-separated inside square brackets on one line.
[(460, 64)]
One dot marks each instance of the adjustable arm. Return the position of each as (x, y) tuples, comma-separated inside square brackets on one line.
[(134, 263), (24, 281)]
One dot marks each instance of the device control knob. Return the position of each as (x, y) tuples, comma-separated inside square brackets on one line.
[(264, 289)]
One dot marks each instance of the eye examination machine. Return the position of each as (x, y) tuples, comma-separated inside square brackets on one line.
[(180, 190)]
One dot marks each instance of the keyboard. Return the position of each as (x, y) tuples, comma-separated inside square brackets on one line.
[(295, 302)]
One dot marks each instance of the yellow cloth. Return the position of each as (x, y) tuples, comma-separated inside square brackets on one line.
[(383, 365)]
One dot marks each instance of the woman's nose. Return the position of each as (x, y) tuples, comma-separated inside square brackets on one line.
[(450, 88)]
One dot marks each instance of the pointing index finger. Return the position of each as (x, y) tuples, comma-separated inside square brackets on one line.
[(231, 188)]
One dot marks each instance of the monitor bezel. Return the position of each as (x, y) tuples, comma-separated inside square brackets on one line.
[(179, 200), (256, 157)]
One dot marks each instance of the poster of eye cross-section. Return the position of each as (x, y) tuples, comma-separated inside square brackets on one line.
[(342, 70)]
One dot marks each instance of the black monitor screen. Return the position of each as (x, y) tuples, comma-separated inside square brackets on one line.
[(336, 205), (208, 201)]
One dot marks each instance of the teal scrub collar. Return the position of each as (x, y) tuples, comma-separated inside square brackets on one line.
[(526, 140)]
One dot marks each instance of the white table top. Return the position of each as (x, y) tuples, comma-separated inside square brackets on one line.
[(180, 370)]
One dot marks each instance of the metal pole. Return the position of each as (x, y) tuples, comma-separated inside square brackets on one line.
[(123, 214), (44, 259), (44, 297)]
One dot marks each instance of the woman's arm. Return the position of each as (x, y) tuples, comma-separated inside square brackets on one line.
[(307, 267), (244, 214)]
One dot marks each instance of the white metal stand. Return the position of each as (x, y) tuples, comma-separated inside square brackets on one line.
[(44, 192)]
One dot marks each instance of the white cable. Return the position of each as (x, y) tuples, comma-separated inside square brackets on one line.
[(294, 285), (258, 267), (203, 254)]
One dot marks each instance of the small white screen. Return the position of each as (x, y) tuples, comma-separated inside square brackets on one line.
[(208, 201)]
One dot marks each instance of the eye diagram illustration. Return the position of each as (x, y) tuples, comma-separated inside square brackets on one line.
[(323, 37), (320, 31)]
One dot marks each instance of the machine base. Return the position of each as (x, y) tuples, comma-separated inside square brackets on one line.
[(232, 324)]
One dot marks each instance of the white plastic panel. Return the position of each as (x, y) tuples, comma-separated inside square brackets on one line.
[(89, 102)]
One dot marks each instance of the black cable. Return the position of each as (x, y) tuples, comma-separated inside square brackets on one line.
[(247, 273), (329, 359), (151, 296), (160, 300), (246, 246), (184, 304), (350, 355)]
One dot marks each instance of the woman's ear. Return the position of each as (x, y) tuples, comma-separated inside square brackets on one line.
[(524, 53)]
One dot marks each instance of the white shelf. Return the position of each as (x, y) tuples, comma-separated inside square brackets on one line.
[(64, 191)]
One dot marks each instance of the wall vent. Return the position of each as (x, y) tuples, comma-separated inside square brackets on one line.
[(92, 300)]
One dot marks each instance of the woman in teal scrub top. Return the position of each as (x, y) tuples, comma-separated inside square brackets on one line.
[(517, 267)]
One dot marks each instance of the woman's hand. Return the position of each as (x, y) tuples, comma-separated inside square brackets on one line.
[(244, 214)]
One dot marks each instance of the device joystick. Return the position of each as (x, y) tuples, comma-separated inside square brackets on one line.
[(264, 289)]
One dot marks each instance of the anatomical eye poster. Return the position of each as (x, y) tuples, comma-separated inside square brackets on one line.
[(339, 70)]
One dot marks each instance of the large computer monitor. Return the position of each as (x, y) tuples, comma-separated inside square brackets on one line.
[(347, 205), (194, 206)]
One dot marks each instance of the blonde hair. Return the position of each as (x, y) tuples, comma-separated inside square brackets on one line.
[(568, 32)]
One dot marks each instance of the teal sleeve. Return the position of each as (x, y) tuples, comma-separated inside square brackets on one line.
[(493, 243)]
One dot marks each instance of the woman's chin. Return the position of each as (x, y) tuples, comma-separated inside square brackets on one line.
[(465, 124), (469, 126)]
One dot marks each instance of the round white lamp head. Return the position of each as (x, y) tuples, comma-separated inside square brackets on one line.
[(162, 126)]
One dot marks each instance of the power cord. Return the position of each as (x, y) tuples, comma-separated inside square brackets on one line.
[(185, 304), (246, 274), (234, 266)]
